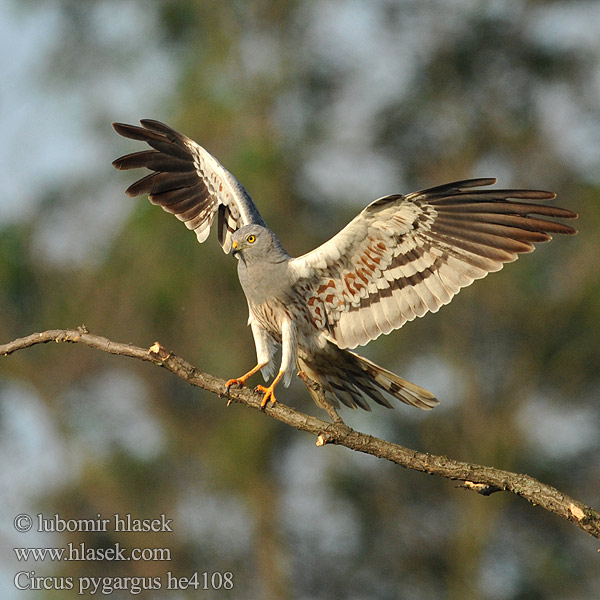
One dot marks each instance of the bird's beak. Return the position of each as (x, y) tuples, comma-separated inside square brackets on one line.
[(234, 245), (235, 249)]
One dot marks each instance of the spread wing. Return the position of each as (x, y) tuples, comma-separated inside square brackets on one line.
[(403, 256), (187, 181)]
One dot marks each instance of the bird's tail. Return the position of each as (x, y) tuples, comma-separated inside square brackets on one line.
[(352, 380)]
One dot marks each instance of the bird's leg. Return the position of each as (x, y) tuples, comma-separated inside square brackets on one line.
[(242, 380), (269, 391)]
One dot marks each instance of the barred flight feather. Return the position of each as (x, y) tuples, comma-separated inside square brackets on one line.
[(187, 181), (429, 245)]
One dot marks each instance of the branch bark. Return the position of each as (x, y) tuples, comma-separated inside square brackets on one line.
[(481, 479)]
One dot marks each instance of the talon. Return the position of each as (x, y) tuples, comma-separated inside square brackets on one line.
[(231, 382), (269, 392), (242, 380), (269, 395)]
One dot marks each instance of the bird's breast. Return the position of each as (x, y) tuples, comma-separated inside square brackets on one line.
[(270, 316)]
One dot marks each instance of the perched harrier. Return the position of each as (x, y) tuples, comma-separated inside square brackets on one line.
[(401, 257)]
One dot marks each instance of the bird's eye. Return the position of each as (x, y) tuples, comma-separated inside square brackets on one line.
[(250, 239)]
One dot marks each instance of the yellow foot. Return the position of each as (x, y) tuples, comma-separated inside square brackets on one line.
[(268, 397), (242, 380), (230, 382)]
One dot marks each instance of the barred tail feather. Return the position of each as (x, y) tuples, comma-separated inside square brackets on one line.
[(401, 389), (350, 379)]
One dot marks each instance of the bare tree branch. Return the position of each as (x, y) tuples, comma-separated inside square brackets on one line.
[(479, 478)]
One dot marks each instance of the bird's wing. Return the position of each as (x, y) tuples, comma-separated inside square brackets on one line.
[(187, 181), (403, 256)]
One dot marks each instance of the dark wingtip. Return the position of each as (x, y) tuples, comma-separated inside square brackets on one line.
[(117, 164), (157, 126), (133, 132), (120, 128), (478, 182)]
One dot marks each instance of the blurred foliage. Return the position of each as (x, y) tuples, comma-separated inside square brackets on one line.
[(263, 86)]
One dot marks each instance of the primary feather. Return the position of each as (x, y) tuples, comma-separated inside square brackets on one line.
[(403, 256), (187, 181)]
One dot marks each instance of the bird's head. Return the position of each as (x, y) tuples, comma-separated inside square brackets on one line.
[(257, 243)]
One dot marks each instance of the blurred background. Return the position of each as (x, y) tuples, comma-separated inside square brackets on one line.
[(318, 107)]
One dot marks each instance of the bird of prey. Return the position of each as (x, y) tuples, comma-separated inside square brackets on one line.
[(401, 257)]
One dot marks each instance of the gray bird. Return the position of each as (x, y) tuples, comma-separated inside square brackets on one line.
[(401, 257)]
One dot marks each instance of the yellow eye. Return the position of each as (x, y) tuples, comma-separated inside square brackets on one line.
[(250, 239)]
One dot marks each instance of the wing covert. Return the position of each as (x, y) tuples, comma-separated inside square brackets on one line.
[(187, 181), (404, 256)]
